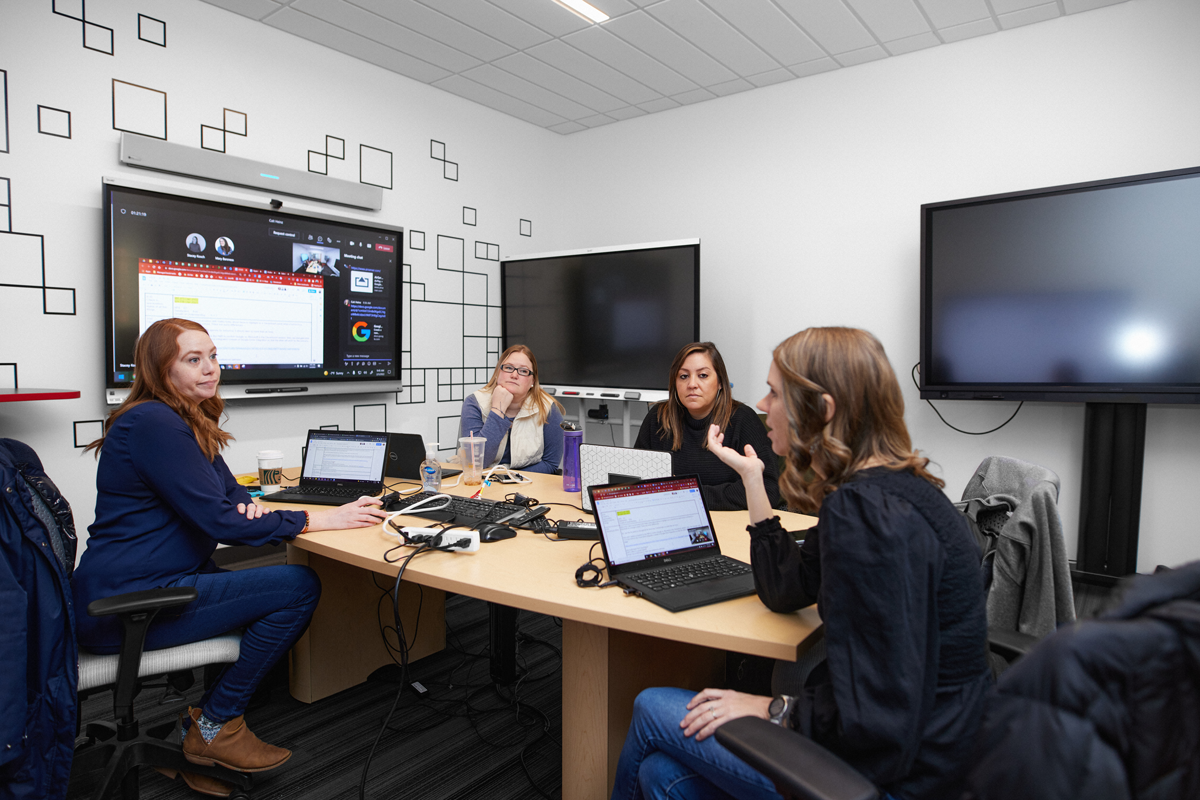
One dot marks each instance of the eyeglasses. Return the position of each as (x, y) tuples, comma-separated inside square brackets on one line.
[(522, 371)]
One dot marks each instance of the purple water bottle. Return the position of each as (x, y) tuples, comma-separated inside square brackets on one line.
[(571, 439)]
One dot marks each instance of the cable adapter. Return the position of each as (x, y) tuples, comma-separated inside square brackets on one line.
[(457, 541)]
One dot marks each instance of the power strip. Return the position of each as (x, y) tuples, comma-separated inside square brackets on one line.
[(451, 540)]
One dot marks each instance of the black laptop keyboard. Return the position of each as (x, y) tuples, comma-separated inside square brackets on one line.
[(478, 509), (324, 491), (705, 569)]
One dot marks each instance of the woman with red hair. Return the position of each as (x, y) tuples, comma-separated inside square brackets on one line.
[(164, 500)]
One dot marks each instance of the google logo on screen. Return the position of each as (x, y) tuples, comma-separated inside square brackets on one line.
[(360, 332)]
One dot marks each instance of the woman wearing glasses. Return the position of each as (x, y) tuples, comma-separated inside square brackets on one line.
[(518, 419)]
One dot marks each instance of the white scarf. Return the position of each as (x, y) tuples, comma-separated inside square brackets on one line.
[(525, 434)]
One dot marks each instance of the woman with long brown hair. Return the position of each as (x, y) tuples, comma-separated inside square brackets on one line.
[(520, 421), (698, 396), (164, 500), (893, 569)]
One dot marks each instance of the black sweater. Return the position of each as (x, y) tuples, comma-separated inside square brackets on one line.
[(722, 487), (896, 574)]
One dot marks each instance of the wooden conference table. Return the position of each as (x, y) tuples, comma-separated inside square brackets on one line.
[(613, 645)]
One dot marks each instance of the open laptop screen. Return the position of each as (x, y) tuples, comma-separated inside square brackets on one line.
[(345, 456), (652, 519)]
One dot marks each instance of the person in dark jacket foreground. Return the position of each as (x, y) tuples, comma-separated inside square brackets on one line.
[(38, 676), (1107, 709), (164, 499), (893, 568)]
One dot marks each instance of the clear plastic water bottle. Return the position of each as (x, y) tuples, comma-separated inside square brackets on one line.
[(431, 469)]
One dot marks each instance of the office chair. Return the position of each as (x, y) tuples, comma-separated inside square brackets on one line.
[(120, 746), (1105, 709)]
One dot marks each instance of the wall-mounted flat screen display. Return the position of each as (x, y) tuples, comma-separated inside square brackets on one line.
[(1072, 293), (294, 303), (607, 317)]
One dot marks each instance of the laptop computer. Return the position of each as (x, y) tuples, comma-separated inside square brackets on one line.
[(659, 541), (600, 464), (405, 453), (339, 466)]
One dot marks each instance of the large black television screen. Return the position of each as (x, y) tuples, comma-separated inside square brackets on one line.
[(295, 303), (1088, 292), (605, 318)]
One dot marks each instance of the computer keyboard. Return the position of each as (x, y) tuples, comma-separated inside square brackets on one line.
[(462, 507), (324, 491), (705, 569)]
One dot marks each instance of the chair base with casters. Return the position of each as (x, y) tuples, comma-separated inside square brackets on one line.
[(120, 747)]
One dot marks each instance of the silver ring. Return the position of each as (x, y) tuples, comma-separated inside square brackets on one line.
[(713, 711)]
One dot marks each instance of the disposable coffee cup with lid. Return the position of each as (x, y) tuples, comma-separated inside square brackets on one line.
[(270, 470)]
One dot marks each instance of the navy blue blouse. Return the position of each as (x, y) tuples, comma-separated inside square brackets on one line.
[(162, 507)]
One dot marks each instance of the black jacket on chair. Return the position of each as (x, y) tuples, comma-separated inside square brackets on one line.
[(1106, 709), (37, 629)]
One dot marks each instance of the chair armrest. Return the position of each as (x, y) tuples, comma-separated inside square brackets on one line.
[(1010, 645), (138, 602), (798, 766)]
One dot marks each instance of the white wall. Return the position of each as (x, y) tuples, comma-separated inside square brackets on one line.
[(294, 93), (806, 197)]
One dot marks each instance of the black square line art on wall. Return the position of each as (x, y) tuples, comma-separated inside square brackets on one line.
[(139, 109), (88, 431), (5, 207), (54, 122), (318, 162), (469, 215), (437, 151), (213, 138), (374, 166), (370, 417), (8, 375), (152, 30), (3, 111), (526, 228), (416, 240), (95, 37)]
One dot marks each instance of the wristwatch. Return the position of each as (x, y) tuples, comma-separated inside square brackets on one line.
[(780, 710)]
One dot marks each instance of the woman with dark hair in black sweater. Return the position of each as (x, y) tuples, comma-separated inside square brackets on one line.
[(698, 397)]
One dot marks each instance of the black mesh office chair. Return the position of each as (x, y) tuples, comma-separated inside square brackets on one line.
[(1104, 709), (120, 747)]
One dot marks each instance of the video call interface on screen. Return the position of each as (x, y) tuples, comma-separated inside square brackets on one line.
[(283, 297), (643, 521)]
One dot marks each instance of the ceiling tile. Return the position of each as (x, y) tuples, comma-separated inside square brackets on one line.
[(344, 41), (1009, 6), (548, 77), (770, 29), (596, 120), (713, 35), (856, 57), (774, 76), (736, 85), (662, 104), (921, 41), (438, 27), (544, 14), (597, 42), (970, 29), (464, 87), (254, 9), (1028, 16), (945, 13), (815, 67), (629, 112), (501, 81), (386, 32), (890, 20), (655, 39), (694, 96), (603, 77), (1075, 6), (829, 23), (567, 127), (497, 23)]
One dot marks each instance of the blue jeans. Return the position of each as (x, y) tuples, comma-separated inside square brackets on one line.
[(272, 604), (659, 763)]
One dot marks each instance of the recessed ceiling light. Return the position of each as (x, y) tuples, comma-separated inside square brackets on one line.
[(585, 10)]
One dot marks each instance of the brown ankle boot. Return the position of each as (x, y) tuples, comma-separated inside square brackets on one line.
[(234, 747)]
